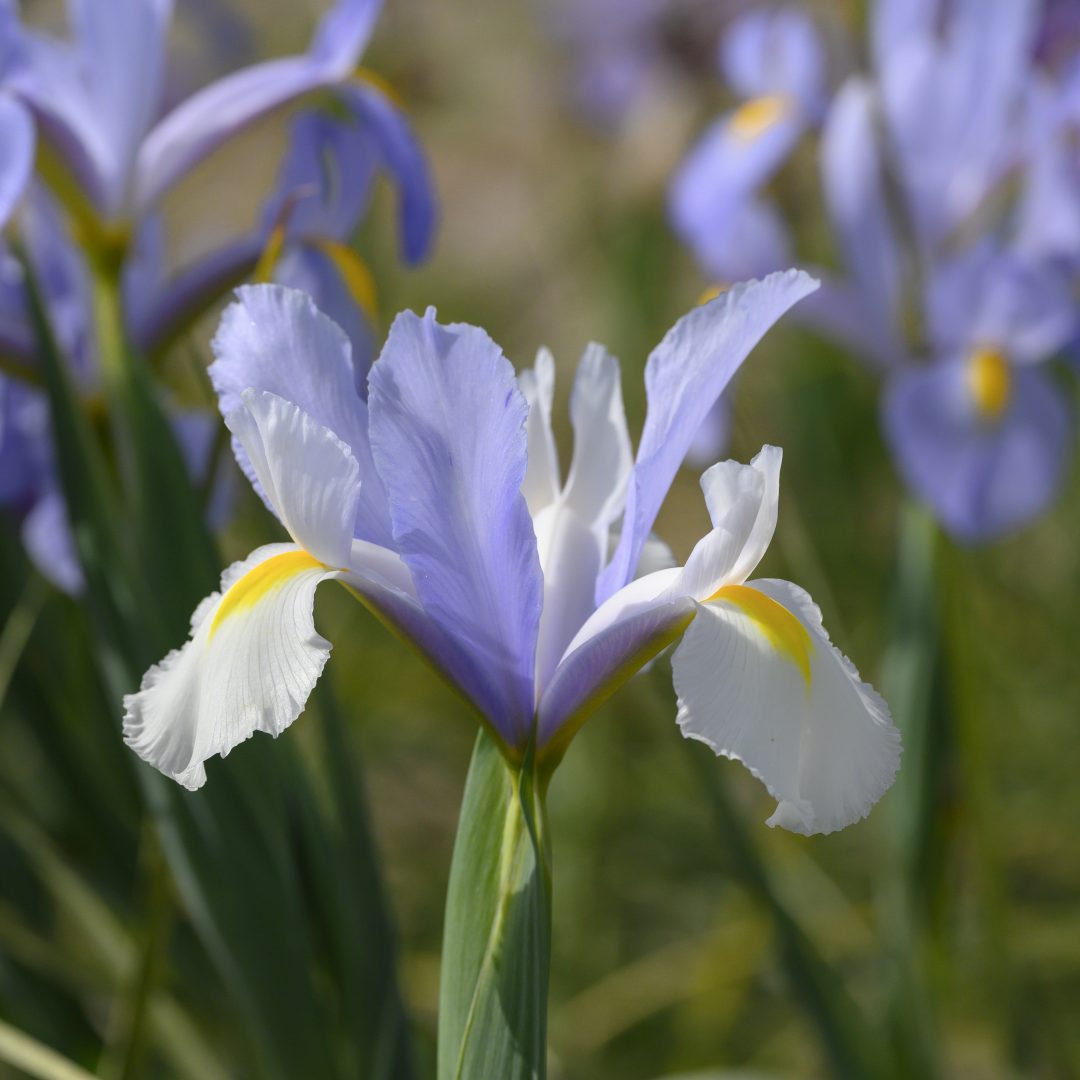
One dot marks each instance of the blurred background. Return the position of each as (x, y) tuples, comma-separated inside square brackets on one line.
[(948, 923)]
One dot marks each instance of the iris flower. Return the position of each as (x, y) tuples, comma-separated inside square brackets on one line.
[(775, 63), (98, 98), (962, 328), (439, 502), (983, 432), (114, 153)]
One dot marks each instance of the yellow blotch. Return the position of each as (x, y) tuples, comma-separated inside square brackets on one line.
[(757, 116), (354, 273), (260, 580), (783, 631), (989, 382), (712, 292), (373, 78)]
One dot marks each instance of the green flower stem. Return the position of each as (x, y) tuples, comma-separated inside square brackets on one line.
[(911, 681), (497, 934)]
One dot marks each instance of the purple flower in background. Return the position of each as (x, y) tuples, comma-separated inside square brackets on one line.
[(97, 99), (982, 432), (775, 63), (623, 48), (440, 503), (29, 480), (960, 303)]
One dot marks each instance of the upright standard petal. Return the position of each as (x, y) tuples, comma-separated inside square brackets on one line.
[(684, 376), (121, 49), (275, 339), (448, 435), (743, 502), (16, 154), (209, 118), (253, 658), (854, 188), (775, 52), (543, 480), (758, 681)]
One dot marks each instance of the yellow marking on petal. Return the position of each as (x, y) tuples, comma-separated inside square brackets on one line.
[(353, 272), (989, 381), (261, 580), (366, 75), (271, 254), (753, 119), (783, 631), (712, 292)]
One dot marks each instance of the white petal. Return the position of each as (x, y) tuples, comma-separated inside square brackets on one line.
[(603, 458), (824, 746), (742, 502), (571, 555), (309, 475), (251, 661), (542, 482)]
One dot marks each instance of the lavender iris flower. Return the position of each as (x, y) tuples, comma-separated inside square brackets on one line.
[(983, 432), (96, 103), (439, 502), (29, 478), (97, 98), (775, 63)]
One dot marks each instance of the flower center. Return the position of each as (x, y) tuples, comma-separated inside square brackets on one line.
[(989, 381), (756, 117), (781, 629)]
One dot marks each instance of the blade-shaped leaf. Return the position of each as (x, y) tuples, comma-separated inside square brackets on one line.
[(497, 933)]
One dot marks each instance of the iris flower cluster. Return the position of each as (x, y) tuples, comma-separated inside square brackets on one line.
[(91, 111), (949, 176)]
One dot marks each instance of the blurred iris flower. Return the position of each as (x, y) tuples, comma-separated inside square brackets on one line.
[(950, 178), (775, 62), (438, 501), (96, 101), (29, 479)]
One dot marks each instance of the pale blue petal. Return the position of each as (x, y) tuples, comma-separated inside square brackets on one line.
[(121, 51), (981, 478), (596, 668), (310, 271), (684, 376), (448, 435), (403, 157), (722, 171), (16, 154), (854, 188), (733, 240), (775, 52), (275, 340), (47, 537), (988, 298), (215, 114), (324, 183)]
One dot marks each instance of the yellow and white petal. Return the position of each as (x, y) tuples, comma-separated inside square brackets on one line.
[(249, 665), (742, 502), (759, 681), (309, 475)]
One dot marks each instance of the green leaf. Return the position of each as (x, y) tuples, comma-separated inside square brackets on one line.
[(497, 934)]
